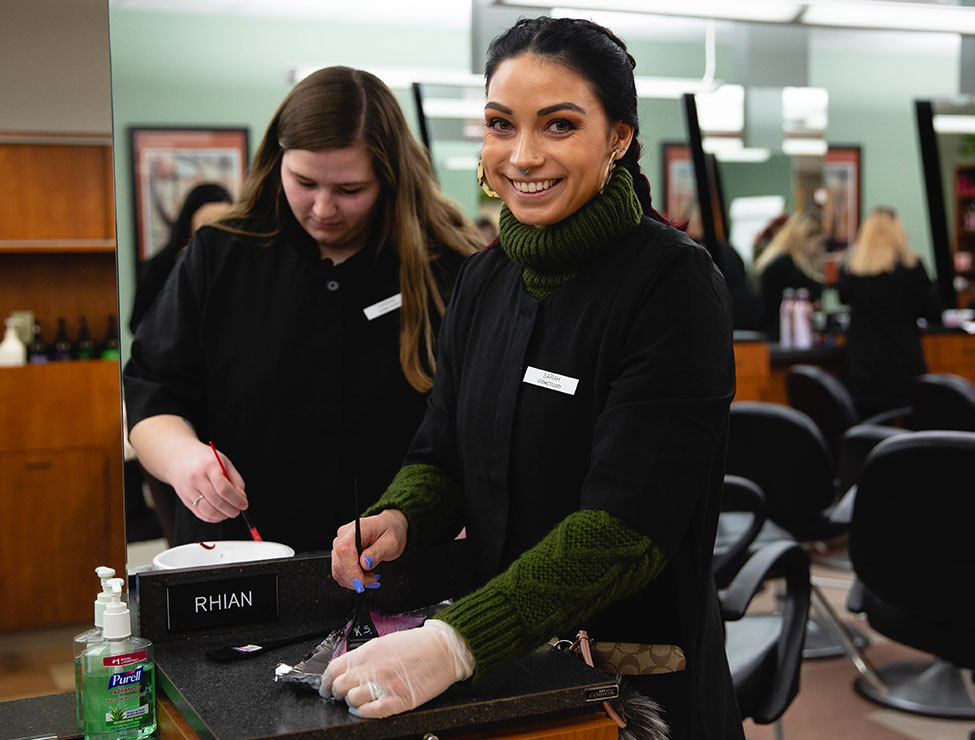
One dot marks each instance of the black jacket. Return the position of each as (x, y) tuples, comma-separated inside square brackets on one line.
[(883, 343), (267, 352), (645, 330)]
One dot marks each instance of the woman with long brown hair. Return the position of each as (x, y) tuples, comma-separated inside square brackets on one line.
[(297, 333)]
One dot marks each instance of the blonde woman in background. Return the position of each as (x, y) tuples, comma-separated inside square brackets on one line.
[(887, 289), (793, 259)]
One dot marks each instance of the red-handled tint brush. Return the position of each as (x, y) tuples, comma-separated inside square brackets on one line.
[(255, 535)]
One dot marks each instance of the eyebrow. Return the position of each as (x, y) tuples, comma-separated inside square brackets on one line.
[(541, 111)]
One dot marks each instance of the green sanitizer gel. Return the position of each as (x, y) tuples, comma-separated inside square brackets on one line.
[(92, 636), (119, 689)]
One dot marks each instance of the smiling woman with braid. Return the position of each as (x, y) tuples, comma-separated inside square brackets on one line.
[(578, 417)]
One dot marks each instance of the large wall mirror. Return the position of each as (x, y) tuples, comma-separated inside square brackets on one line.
[(215, 66)]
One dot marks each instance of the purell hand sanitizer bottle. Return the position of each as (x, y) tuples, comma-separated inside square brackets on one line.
[(786, 317), (89, 637), (119, 686)]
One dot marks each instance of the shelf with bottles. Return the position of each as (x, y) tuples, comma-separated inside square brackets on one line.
[(64, 346)]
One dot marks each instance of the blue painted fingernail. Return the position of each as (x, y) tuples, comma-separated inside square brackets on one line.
[(376, 576), (368, 561), (357, 585), (374, 585)]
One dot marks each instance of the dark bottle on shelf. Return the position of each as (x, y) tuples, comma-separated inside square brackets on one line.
[(62, 344), (110, 347), (37, 350), (85, 348)]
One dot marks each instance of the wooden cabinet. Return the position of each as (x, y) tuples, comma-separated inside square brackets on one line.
[(57, 229), (61, 487), (60, 423)]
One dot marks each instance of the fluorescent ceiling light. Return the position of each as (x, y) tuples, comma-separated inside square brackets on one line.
[(804, 109), (769, 11), (722, 110), (733, 149), (673, 87), (946, 123), (462, 108), (800, 147), (890, 15), (403, 77)]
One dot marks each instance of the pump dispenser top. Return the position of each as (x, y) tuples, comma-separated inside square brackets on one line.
[(116, 622), (105, 596)]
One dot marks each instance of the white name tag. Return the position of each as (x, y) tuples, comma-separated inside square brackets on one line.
[(552, 381), (383, 307)]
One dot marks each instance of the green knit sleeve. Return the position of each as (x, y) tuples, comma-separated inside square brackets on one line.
[(590, 560), (429, 499)]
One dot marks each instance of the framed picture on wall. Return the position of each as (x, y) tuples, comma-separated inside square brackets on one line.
[(841, 184), (167, 163), (680, 190)]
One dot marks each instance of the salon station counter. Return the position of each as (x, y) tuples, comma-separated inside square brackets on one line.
[(762, 367), (547, 693)]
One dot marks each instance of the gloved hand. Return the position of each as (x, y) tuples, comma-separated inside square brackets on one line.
[(399, 671)]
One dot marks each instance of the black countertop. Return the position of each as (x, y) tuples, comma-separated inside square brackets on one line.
[(227, 701), (241, 700), (42, 717)]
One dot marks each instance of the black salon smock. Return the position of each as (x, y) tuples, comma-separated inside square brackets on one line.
[(267, 352), (883, 343), (646, 331)]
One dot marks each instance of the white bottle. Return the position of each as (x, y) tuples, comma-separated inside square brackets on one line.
[(119, 682), (13, 352), (88, 637), (787, 317), (802, 337)]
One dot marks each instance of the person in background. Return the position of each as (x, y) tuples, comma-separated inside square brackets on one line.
[(488, 229), (791, 260), (887, 290), (297, 333), (578, 419), (765, 236), (203, 203)]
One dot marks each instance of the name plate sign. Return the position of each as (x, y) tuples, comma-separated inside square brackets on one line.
[(222, 602)]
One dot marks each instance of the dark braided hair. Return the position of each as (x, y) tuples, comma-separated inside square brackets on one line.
[(597, 54)]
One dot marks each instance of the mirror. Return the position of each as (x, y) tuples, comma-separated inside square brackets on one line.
[(60, 449), (946, 133), (223, 68)]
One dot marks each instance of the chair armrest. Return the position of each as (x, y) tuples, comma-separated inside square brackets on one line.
[(739, 494), (842, 513), (886, 418), (785, 557)]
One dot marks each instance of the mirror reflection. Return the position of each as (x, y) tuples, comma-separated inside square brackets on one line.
[(217, 70)]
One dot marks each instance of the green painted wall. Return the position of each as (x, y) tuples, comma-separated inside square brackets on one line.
[(192, 69)]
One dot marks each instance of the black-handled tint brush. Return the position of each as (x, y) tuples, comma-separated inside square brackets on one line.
[(362, 628)]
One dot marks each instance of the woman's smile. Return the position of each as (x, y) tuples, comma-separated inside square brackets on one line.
[(534, 187)]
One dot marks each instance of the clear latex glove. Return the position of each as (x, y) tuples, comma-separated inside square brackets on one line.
[(399, 671)]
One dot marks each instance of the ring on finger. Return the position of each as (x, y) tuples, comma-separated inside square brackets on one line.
[(197, 500), (375, 690)]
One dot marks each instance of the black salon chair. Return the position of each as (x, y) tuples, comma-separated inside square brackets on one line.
[(824, 399), (943, 401), (911, 548), (765, 651), (783, 452)]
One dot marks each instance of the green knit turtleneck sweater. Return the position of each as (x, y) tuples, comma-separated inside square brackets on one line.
[(552, 255), (590, 559)]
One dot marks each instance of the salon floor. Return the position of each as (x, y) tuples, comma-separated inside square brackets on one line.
[(39, 661)]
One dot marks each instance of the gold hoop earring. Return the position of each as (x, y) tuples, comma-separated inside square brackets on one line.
[(482, 181), (610, 166)]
